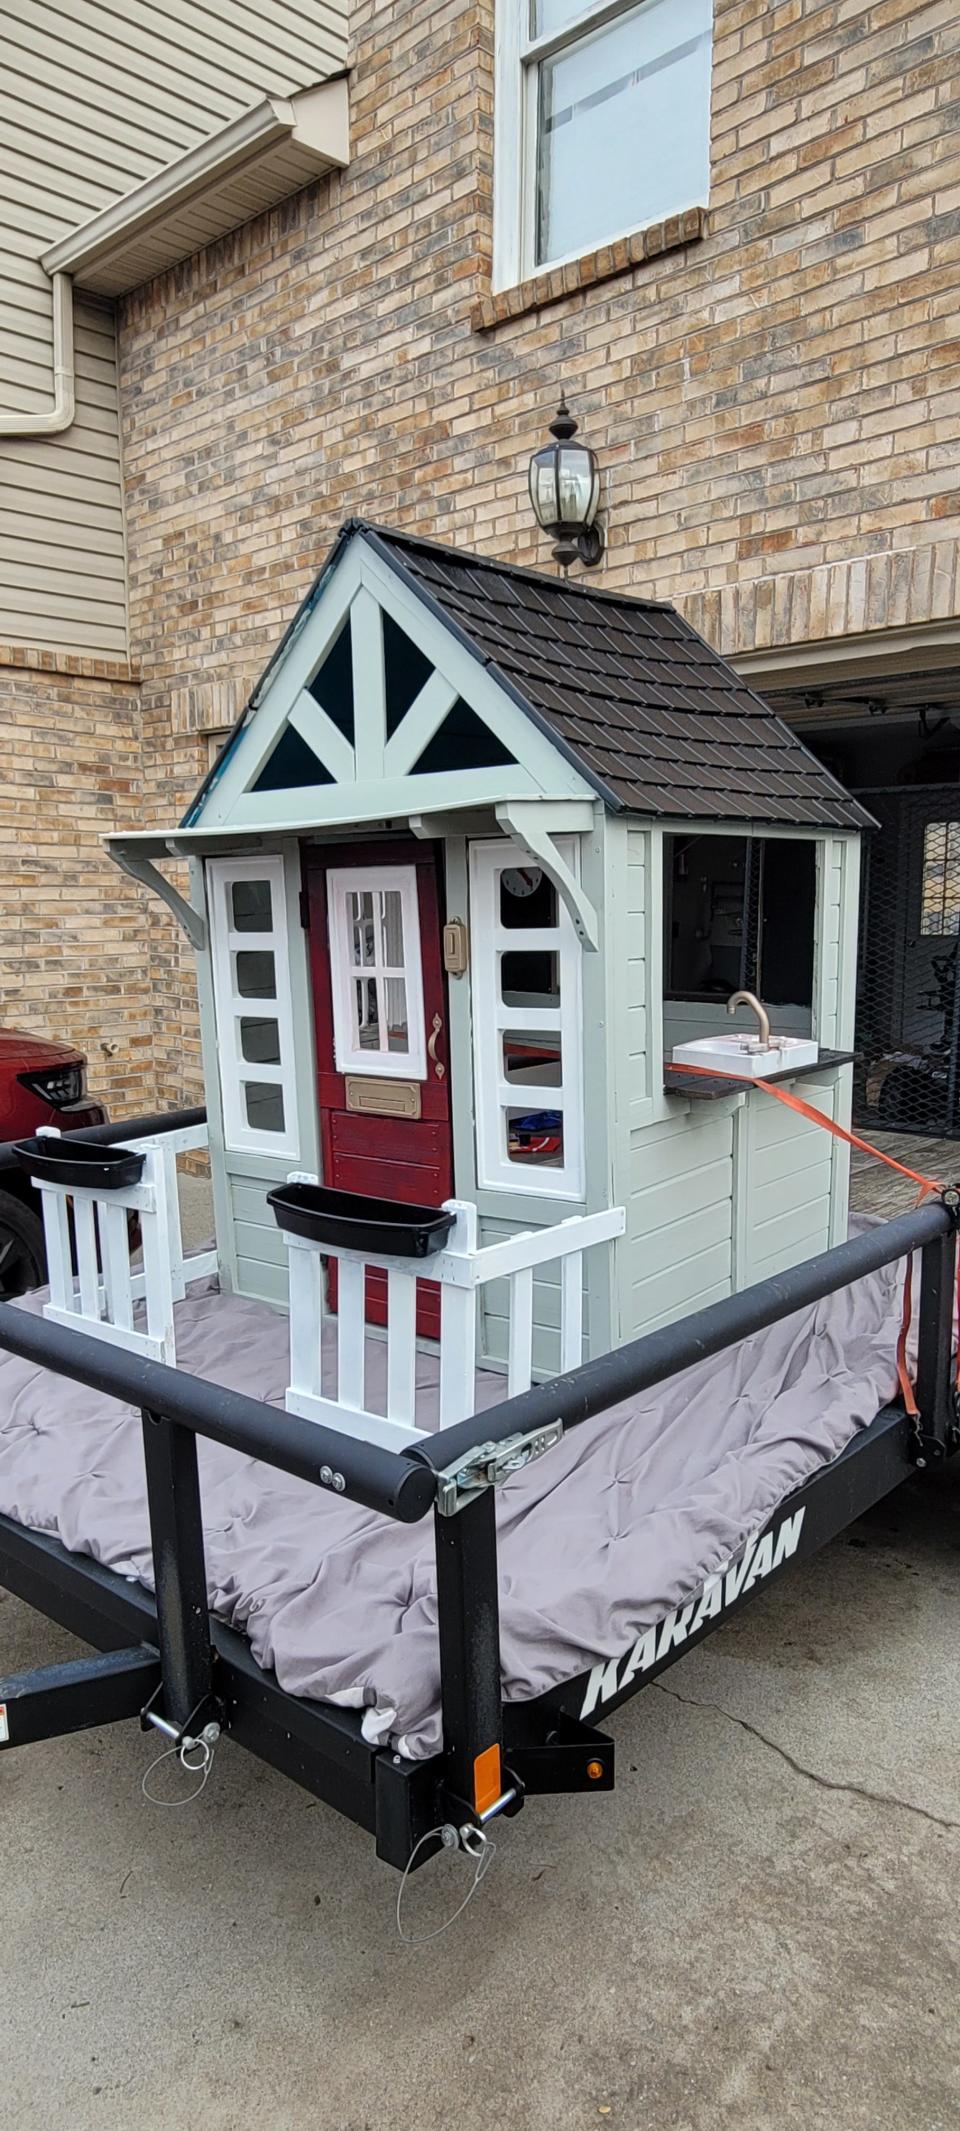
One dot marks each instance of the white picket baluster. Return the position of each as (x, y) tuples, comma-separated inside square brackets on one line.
[(56, 1237), (520, 1353), (168, 1165), (571, 1310), (401, 1345), (351, 1333), (85, 1233), (115, 1245), (306, 1318)]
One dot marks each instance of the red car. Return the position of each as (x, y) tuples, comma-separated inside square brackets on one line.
[(41, 1083)]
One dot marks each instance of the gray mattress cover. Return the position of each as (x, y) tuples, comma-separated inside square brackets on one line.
[(617, 1526)]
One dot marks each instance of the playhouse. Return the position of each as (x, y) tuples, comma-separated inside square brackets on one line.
[(526, 941), (484, 849)]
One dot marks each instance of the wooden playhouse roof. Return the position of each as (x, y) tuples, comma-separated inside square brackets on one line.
[(657, 720)]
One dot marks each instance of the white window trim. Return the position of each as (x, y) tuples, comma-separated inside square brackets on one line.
[(515, 139), (359, 880), (239, 1136), (491, 1020)]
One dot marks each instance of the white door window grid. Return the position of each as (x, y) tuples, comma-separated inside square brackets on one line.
[(248, 924), (602, 124), (377, 983), (527, 1025)]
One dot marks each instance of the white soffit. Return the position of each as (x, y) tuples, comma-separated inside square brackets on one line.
[(259, 159)]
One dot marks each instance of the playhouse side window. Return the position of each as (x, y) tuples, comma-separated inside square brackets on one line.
[(248, 924), (527, 1025)]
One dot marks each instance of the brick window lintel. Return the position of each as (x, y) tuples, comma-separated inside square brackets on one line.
[(586, 272)]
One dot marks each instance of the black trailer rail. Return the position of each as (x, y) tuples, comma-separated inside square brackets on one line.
[(167, 1661)]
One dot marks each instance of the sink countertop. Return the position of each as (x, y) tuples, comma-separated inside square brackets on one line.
[(709, 1087)]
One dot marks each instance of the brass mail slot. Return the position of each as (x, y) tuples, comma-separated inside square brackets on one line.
[(383, 1098)]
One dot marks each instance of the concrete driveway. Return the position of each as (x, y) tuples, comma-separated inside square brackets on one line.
[(757, 1930)]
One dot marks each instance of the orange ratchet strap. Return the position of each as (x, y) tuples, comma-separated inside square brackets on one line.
[(926, 1183)]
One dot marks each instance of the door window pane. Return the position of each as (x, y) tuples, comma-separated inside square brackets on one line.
[(251, 906), (623, 128), (361, 929), (260, 1041), (256, 973), (396, 1003), (263, 1103), (367, 1009), (391, 928)]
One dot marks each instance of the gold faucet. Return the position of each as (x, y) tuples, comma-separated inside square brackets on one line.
[(763, 1019)]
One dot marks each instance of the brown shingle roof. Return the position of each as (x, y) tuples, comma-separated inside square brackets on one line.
[(655, 719)]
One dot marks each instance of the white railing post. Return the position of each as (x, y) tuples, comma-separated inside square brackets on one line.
[(401, 1345), (571, 1310), (351, 1332), (306, 1317), (520, 1350), (458, 1321)]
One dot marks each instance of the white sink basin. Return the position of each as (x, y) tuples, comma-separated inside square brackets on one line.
[(737, 1053)]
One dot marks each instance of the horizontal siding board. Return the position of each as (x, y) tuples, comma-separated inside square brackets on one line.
[(667, 1250), (668, 1293), (663, 1203), (121, 93), (268, 1283)]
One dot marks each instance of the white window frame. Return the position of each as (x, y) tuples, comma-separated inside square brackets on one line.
[(493, 1095), (516, 90), (343, 881), (238, 1135)]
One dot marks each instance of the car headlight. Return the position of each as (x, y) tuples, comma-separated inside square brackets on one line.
[(57, 1085)]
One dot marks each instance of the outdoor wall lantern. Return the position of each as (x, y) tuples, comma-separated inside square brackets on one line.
[(565, 493)]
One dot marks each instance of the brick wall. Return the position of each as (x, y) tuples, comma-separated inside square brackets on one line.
[(73, 930), (775, 402)]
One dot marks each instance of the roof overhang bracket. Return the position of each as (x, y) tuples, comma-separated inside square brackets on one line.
[(143, 870), (534, 823)]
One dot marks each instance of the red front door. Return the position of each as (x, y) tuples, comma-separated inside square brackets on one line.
[(381, 1031)]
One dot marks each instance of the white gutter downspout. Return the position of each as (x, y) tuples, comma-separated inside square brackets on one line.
[(61, 414)]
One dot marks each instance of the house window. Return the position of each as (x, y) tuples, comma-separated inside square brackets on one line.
[(527, 1025), (248, 929), (375, 971), (940, 905), (602, 124)]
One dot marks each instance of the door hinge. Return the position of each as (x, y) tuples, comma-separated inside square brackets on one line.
[(490, 1464)]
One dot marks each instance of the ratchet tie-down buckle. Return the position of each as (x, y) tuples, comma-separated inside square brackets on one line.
[(490, 1464)]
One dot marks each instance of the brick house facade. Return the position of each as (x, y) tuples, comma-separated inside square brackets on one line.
[(772, 387)]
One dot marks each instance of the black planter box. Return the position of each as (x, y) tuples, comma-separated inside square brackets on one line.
[(376, 1227), (79, 1163)]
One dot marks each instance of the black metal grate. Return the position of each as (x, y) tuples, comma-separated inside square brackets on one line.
[(908, 987)]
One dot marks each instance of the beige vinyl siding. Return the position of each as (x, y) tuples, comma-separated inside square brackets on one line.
[(93, 100)]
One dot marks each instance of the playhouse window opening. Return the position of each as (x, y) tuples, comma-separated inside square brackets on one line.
[(248, 931), (739, 915), (525, 964), (375, 970)]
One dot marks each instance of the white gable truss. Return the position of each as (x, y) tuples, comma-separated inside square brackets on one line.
[(371, 764)]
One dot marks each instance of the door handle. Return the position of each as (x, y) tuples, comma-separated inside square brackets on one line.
[(432, 1047)]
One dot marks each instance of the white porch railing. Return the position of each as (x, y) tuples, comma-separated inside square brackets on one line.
[(101, 1295), (460, 1270)]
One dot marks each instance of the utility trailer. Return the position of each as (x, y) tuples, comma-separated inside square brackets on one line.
[(164, 1659)]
